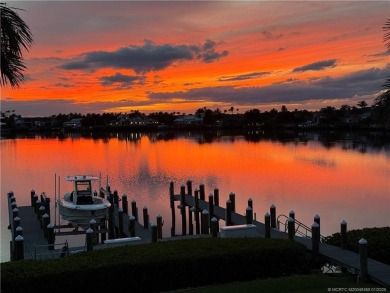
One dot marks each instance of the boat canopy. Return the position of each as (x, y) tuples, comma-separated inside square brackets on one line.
[(81, 178)]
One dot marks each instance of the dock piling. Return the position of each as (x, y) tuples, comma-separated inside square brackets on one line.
[(146, 217), (272, 210), (249, 215), (228, 212), (363, 260), (125, 204), (159, 226), (291, 228), (315, 240), (132, 226), (214, 227), (267, 222), (343, 232), (232, 198)]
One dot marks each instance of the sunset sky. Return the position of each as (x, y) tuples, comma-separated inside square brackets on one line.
[(118, 56)]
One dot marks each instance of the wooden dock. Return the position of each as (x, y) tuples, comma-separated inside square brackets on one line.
[(191, 208)]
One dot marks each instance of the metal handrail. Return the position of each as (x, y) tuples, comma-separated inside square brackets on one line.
[(298, 225), (64, 251)]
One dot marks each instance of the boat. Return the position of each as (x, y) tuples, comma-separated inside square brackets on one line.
[(81, 205)]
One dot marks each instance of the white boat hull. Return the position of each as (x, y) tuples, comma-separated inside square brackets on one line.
[(81, 215)]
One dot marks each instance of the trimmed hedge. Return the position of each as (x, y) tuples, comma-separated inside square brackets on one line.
[(159, 266), (378, 240)]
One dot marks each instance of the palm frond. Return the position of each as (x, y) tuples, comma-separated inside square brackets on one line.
[(15, 36)]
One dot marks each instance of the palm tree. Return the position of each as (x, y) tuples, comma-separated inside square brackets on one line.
[(15, 35), (382, 102)]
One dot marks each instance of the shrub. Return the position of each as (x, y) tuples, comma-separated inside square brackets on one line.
[(378, 240), (159, 266)]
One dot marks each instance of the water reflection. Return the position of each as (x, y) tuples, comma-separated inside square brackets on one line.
[(338, 175)]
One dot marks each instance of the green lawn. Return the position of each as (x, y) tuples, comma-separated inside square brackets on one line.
[(308, 283)]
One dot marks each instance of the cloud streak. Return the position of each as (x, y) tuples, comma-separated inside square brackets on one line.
[(146, 58), (246, 76), (316, 66)]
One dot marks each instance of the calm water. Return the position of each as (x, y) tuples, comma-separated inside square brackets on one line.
[(337, 176)]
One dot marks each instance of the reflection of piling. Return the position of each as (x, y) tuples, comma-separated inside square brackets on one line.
[(172, 205), (202, 194)]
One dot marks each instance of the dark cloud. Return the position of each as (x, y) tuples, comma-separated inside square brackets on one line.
[(320, 65), (366, 82), (124, 81), (251, 75), (269, 36), (63, 85), (146, 58)]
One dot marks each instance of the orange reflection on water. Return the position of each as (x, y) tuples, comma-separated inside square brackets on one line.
[(308, 178)]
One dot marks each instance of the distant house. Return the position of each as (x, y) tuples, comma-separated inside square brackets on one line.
[(188, 120), (73, 124), (127, 120)]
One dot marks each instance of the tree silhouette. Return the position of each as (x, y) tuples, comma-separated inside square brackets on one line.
[(382, 102), (15, 35)]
